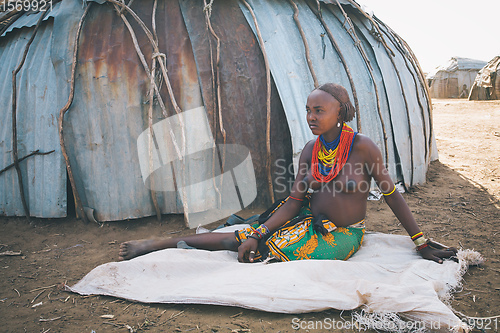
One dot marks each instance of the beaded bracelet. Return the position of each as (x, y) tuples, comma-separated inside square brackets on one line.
[(417, 235), (419, 239), (261, 231)]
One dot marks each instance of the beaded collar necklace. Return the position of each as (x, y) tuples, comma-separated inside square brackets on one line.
[(328, 158)]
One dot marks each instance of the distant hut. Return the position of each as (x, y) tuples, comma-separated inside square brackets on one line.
[(487, 83), (454, 79), (248, 65)]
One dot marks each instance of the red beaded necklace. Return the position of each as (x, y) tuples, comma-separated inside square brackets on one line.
[(343, 148)]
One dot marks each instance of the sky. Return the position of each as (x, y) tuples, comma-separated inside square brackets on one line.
[(437, 30)]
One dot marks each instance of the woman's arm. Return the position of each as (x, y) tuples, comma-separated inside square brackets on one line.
[(290, 208), (394, 199)]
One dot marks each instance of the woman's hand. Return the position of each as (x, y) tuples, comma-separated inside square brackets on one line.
[(437, 252), (246, 251)]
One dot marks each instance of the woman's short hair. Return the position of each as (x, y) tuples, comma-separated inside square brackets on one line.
[(340, 94)]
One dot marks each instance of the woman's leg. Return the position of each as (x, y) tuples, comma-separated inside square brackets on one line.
[(207, 241)]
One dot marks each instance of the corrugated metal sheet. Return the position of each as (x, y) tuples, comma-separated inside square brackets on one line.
[(418, 114), (110, 109), (44, 177), (365, 85), (408, 103)]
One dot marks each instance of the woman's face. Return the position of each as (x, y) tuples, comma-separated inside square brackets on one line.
[(322, 112)]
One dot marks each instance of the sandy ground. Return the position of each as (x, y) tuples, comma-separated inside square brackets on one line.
[(458, 206)]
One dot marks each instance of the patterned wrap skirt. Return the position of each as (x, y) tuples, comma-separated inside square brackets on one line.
[(297, 239)]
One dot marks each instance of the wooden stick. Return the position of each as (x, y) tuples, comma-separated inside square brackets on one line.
[(78, 201), (418, 69), (36, 152), (304, 40), (51, 319), (391, 55), (216, 83), (41, 292), (175, 315), (150, 141), (11, 253), (52, 286), (406, 51)]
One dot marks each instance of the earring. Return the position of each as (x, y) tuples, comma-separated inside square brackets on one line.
[(338, 124)]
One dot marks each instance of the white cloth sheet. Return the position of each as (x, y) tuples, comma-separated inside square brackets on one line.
[(385, 276)]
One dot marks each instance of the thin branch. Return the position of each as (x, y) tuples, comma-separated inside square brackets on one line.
[(78, 201), (304, 40), (36, 152), (216, 84), (150, 126)]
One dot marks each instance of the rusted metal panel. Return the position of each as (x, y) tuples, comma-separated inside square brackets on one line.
[(110, 109), (243, 88)]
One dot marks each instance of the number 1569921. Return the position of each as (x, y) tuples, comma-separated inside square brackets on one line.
[(26, 5)]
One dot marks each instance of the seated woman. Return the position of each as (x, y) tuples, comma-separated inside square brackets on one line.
[(323, 218)]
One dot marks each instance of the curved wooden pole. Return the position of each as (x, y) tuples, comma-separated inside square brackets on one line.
[(304, 40), (78, 201)]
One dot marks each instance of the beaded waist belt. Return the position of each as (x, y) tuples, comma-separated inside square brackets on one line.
[(330, 226)]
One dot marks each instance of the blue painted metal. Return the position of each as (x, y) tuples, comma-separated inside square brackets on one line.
[(44, 176)]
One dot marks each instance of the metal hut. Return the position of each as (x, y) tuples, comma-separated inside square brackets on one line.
[(93, 91), (486, 85)]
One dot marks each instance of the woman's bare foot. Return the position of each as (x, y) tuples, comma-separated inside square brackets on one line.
[(135, 248)]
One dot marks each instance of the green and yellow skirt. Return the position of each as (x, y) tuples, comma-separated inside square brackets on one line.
[(297, 239)]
